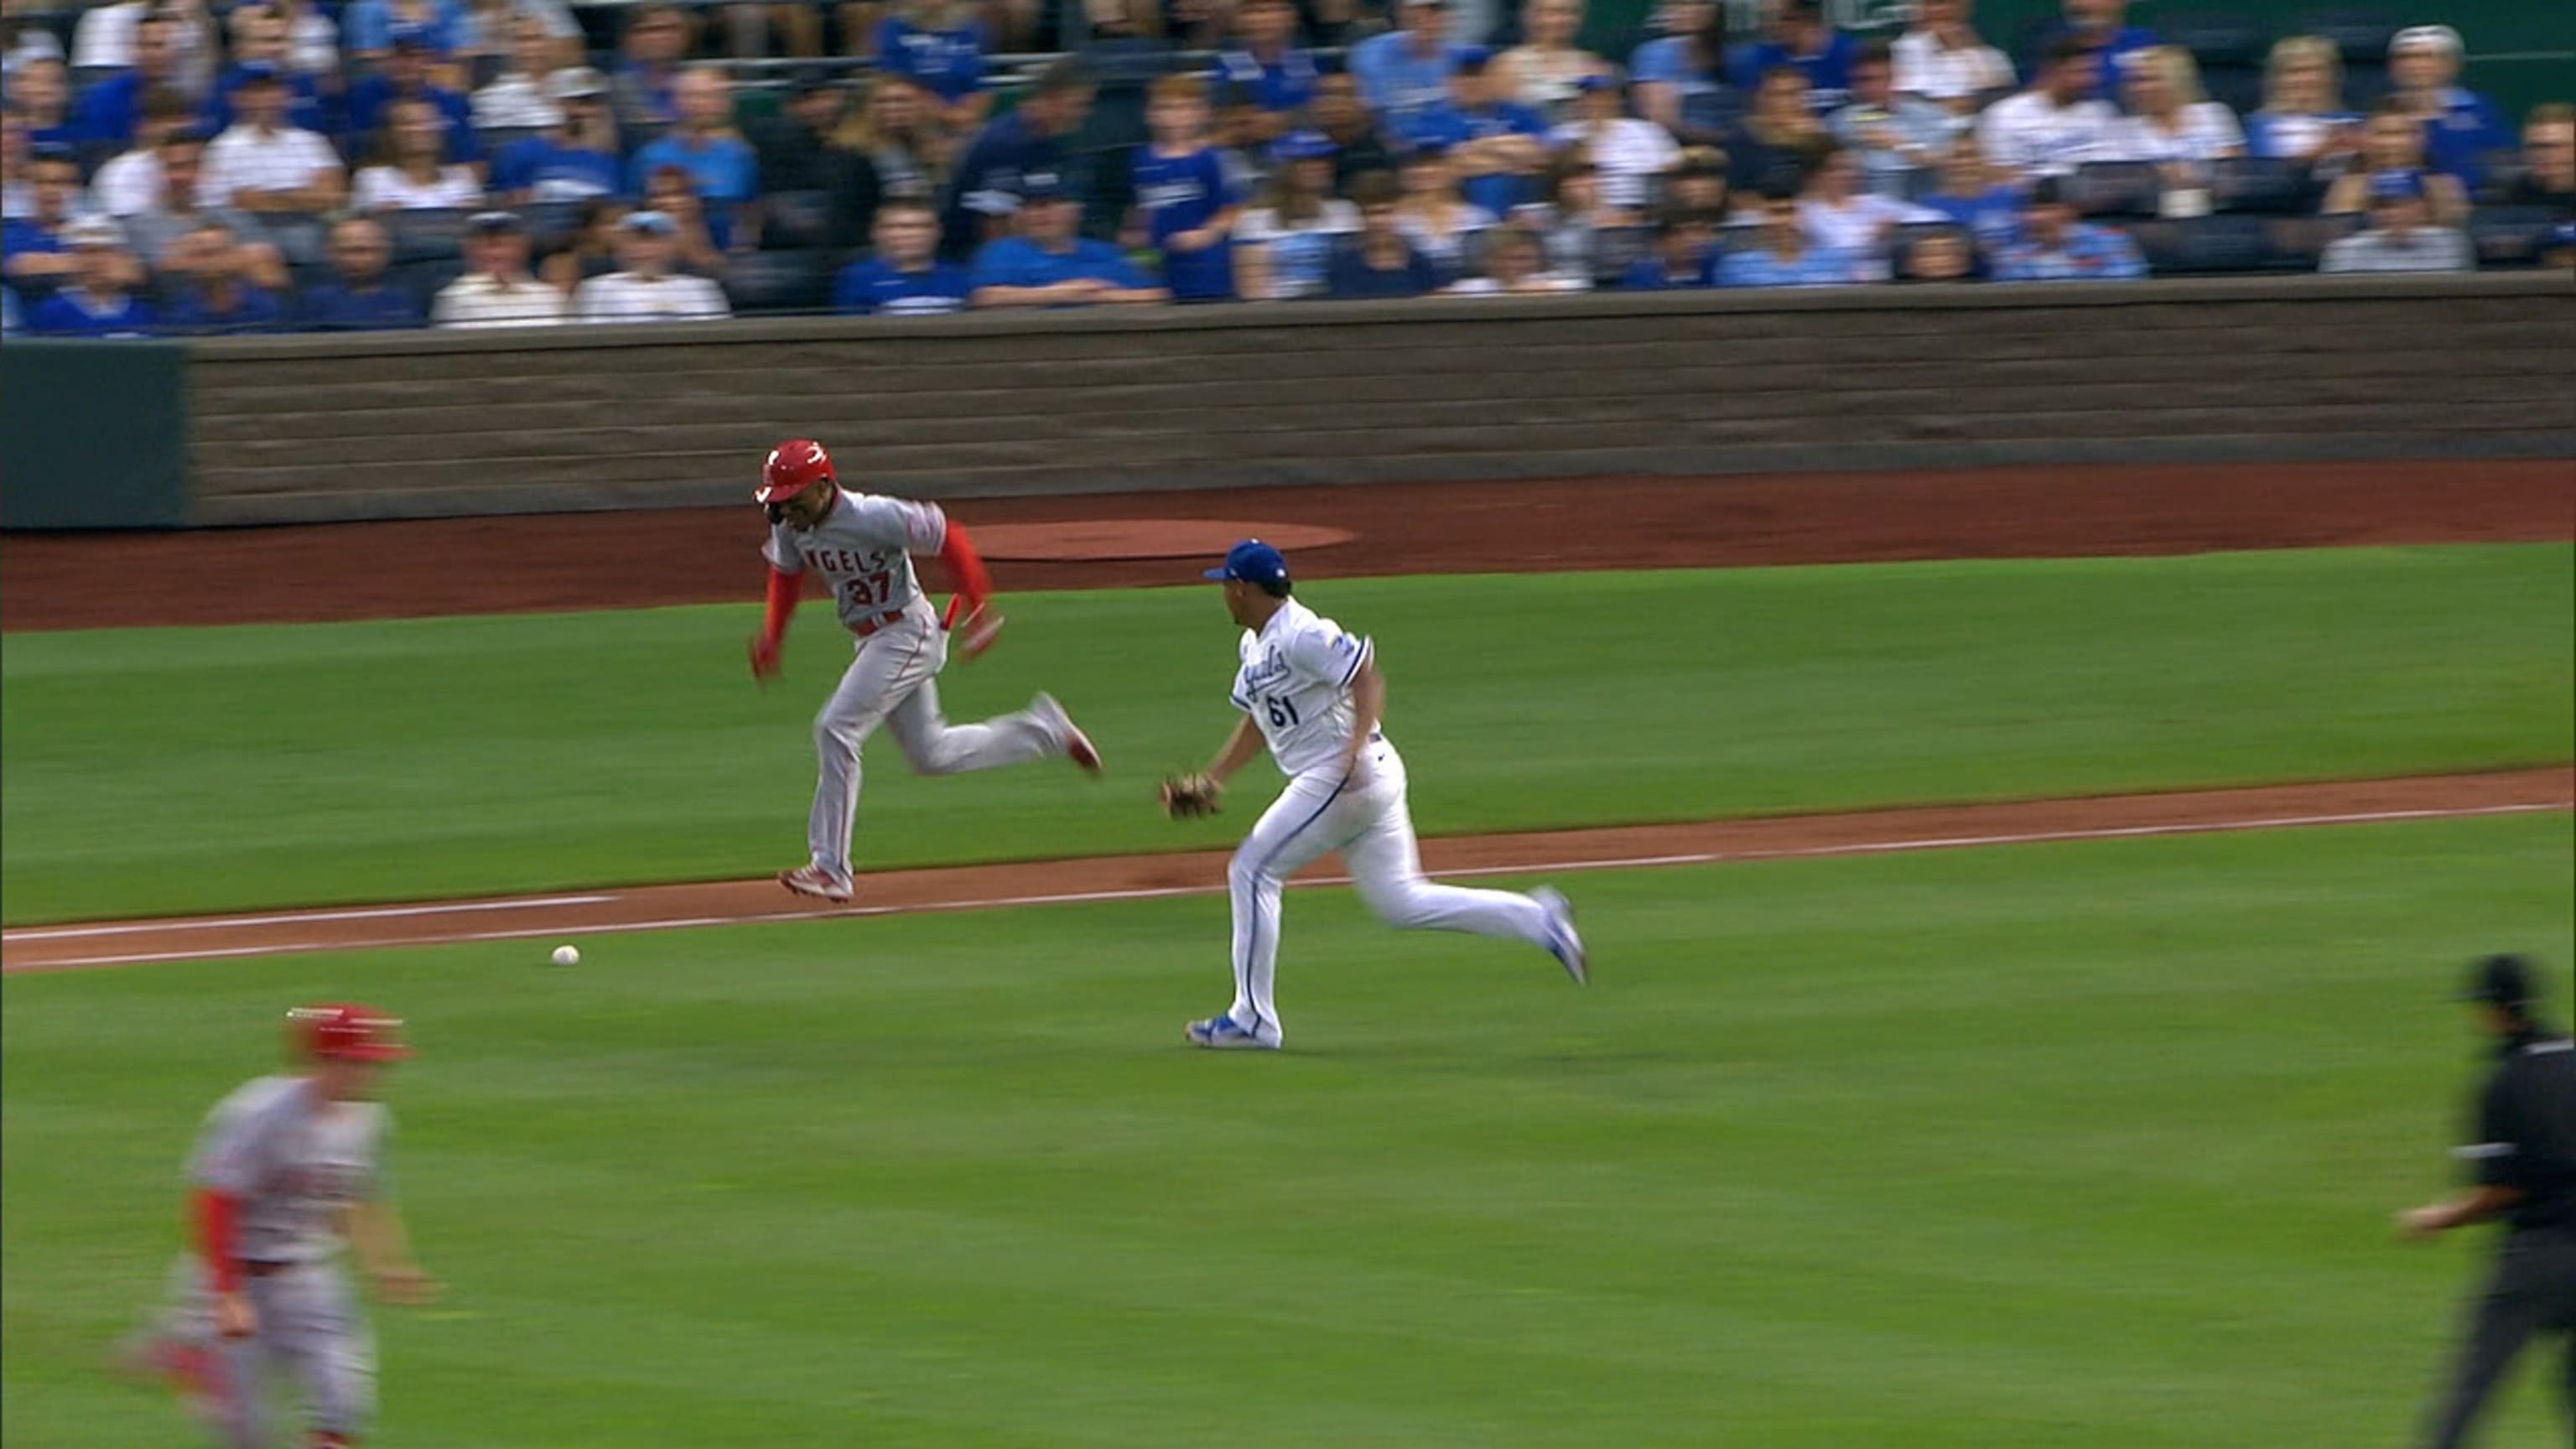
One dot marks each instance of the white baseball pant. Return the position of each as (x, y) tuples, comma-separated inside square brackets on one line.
[(893, 682), (1366, 819), (310, 1334)]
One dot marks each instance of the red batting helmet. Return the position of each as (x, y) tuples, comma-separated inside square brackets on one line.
[(793, 467), (339, 1031)]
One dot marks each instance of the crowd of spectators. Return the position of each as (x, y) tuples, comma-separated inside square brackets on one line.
[(294, 165)]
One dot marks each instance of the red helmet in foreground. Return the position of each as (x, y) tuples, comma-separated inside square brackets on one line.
[(793, 467), (343, 1032)]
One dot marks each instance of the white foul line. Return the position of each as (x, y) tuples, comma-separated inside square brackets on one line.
[(1149, 893), (290, 918)]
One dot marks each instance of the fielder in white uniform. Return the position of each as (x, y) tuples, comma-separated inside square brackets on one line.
[(288, 1171), (1312, 695), (862, 545)]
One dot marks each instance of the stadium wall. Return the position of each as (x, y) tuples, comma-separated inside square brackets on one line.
[(302, 429)]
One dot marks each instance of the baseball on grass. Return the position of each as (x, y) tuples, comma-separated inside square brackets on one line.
[(567, 955)]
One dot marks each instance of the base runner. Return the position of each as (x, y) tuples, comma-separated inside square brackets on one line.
[(287, 1170), (863, 545), (1312, 694)]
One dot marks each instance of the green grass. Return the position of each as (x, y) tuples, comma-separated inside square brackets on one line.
[(174, 770), (2087, 1146)]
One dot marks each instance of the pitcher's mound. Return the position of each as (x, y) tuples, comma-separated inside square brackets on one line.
[(1116, 538)]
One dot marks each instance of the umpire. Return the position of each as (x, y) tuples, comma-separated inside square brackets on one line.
[(2522, 1164)]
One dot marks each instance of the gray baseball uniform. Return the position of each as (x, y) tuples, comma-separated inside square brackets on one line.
[(863, 548), (297, 1164)]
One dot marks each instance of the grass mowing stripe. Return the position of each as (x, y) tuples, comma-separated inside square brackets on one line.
[(171, 771), (2079, 1144)]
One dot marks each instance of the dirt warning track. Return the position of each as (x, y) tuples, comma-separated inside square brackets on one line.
[(574, 916)]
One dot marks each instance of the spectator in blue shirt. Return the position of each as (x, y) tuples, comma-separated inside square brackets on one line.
[(1406, 71), (939, 45), (406, 77), (208, 292), (97, 301), (1799, 37), (261, 45), (1780, 255), (368, 27), (721, 164), (361, 296), (1971, 196), (1498, 145), (34, 250), (1187, 193), (40, 95), (573, 160), (1048, 264), (1681, 78), (905, 277), (1685, 254), (2101, 27), (1263, 79), (2460, 126), (1381, 261), (113, 108), (2053, 246), (984, 189)]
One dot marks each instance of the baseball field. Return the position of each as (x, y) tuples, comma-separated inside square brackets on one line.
[(2020, 973)]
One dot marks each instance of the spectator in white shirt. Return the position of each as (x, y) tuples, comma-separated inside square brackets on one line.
[(2170, 122), (1433, 215), (129, 184), (2050, 129), (412, 172), (518, 98), (2401, 236), (648, 290), (1514, 265), (1547, 68), (1838, 215), (312, 40), (497, 290), (263, 165), (1627, 151), (2303, 116), (1944, 60)]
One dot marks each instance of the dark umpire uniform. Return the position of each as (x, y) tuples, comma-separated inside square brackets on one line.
[(2521, 1157)]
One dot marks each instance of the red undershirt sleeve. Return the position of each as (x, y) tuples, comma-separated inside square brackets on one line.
[(218, 1217), (957, 551), (783, 591)]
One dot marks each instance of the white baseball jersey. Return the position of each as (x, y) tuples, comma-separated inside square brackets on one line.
[(295, 1161), (864, 546), (2029, 132), (1295, 682)]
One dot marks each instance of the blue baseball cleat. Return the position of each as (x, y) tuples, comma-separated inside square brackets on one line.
[(1223, 1033), (1562, 941)]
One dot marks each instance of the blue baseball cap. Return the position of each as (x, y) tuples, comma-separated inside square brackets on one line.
[(1252, 561), (1303, 146), (1039, 186), (2394, 185), (1595, 81), (1470, 57)]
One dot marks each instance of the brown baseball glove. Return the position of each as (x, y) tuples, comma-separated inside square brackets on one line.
[(1187, 797)]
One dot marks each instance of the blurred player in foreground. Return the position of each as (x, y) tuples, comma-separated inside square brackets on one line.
[(862, 544), (287, 1170), (1312, 694), (2521, 1166)]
